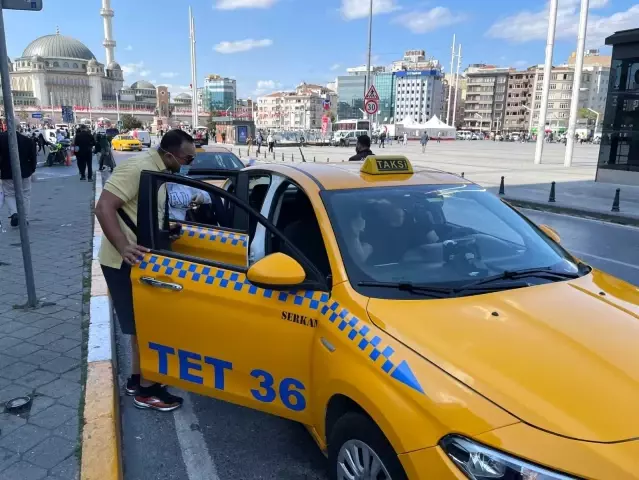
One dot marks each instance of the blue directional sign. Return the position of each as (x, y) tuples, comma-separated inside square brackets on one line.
[(67, 114), (36, 115), (35, 5)]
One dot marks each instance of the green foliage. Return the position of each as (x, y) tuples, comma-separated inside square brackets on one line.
[(129, 122)]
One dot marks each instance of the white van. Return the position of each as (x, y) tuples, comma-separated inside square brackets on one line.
[(143, 136), (346, 138)]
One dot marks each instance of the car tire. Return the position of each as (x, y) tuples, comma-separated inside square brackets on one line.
[(357, 429)]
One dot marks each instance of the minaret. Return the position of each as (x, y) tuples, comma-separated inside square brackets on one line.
[(109, 44)]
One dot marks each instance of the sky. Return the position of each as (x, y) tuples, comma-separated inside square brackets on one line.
[(269, 45)]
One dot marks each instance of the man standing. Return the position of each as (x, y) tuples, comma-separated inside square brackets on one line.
[(405, 138), (117, 212), (259, 141), (382, 139), (362, 148), (271, 142), (28, 162), (423, 141), (84, 143)]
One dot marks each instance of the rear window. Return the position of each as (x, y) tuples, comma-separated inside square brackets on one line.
[(216, 161)]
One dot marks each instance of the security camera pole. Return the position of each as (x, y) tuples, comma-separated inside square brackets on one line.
[(32, 300)]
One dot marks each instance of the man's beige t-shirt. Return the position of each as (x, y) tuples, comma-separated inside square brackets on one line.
[(124, 183)]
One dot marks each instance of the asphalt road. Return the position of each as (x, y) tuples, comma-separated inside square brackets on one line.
[(211, 440)]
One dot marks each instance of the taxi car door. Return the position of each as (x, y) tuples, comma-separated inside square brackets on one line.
[(209, 229), (204, 327)]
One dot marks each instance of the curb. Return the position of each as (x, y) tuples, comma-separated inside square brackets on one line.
[(101, 459), (619, 218)]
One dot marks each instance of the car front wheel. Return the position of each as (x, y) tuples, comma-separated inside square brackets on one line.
[(358, 450)]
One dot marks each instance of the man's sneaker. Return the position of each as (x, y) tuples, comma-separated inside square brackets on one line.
[(82, 177), (157, 397), (133, 385), (14, 220)]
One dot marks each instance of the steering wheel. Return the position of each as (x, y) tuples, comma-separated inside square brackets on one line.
[(463, 254)]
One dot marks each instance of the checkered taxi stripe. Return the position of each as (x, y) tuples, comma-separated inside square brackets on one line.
[(352, 327), (205, 233), (231, 280)]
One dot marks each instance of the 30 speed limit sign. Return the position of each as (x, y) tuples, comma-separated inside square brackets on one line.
[(371, 107)]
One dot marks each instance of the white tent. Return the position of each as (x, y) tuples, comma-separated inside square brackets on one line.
[(434, 127)]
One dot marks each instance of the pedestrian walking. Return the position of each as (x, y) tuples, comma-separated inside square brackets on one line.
[(439, 137), (83, 144), (223, 137), (106, 155), (117, 212), (382, 139), (249, 142), (362, 148), (28, 163), (271, 143), (423, 140), (405, 138), (259, 140)]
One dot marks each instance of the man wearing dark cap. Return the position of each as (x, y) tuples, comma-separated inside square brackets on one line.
[(363, 148)]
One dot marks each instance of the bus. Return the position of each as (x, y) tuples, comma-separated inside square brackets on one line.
[(349, 125)]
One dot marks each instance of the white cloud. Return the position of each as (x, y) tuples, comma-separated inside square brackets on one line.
[(527, 26), (266, 86), (184, 87), (144, 73), (242, 45), (427, 21), (335, 66), (128, 48), (521, 63), (132, 68), (353, 9), (154, 81), (234, 4), (169, 74)]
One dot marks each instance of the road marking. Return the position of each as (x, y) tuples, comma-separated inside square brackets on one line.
[(617, 262), (195, 454)]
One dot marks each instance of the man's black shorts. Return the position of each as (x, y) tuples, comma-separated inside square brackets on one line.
[(119, 282)]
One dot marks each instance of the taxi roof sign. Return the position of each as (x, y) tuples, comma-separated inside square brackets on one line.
[(386, 165)]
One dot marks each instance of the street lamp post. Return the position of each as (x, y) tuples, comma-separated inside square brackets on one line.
[(368, 63), (117, 105), (596, 119)]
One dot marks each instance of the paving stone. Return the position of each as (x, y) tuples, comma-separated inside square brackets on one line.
[(60, 365), (70, 431), (74, 353), (51, 309), (21, 349), (17, 370), (7, 458), (47, 322), (23, 471), (6, 360), (10, 326), (71, 399), (26, 332), (24, 438), (63, 345), (7, 341), (40, 403), (77, 335), (64, 329), (54, 416), (65, 314), (36, 378), (58, 388), (12, 391), (45, 338), (74, 375), (9, 423), (41, 356), (68, 469)]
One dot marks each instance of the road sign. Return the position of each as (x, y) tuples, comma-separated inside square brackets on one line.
[(372, 94), (371, 107), (34, 5), (36, 115)]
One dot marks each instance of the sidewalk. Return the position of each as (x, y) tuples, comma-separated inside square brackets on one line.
[(41, 350), (485, 162)]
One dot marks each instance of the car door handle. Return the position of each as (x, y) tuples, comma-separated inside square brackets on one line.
[(176, 287)]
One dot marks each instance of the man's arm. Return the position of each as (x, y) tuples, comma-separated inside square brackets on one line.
[(107, 213)]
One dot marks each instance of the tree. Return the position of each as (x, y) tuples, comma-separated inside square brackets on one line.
[(23, 115), (210, 124), (585, 113), (129, 122)]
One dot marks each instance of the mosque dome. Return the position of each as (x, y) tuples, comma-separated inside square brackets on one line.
[(58, 46), (143, 85)]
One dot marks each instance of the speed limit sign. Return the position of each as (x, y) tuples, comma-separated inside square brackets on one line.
[(371, 107)]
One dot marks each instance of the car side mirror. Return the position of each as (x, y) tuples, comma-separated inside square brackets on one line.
[(276, 270), (551, 232)]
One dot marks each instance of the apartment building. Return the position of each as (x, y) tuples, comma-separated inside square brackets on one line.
[(448, 88), (485, 106), (518, 100)]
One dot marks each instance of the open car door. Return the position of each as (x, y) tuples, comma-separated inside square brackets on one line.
[(204, 326)]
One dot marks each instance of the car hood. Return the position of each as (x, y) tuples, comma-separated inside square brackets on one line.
[(563, 357)]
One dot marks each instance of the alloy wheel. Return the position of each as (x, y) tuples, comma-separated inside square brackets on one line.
[(358, 461)]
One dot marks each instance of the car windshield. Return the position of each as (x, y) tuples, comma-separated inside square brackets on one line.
[(216, 161), (441, 236), (126, 138)]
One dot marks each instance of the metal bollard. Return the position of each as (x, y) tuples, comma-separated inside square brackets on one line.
[(282, 156), (264, 155), (462, 174), (313, 159), (501, 187), (240, 152), (551, 198), (326, 159), (615, 203), (292, 159)]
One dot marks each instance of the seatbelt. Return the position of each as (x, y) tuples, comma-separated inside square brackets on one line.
[(128, 222)]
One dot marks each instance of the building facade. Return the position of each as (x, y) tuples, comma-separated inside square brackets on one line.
[(418, 94), (485, 105), (350, 96), (518, 101), (219, 94), (448, 88)]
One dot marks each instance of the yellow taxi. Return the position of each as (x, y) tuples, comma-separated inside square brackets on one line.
[(126, 142), (416, 324)]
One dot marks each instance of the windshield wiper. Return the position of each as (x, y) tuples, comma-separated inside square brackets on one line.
[(543, 272), (435, 292)]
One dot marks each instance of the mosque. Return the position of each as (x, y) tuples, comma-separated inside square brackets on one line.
[(58, 70)]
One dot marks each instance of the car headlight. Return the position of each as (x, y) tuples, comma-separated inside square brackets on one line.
[(479, 462)]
